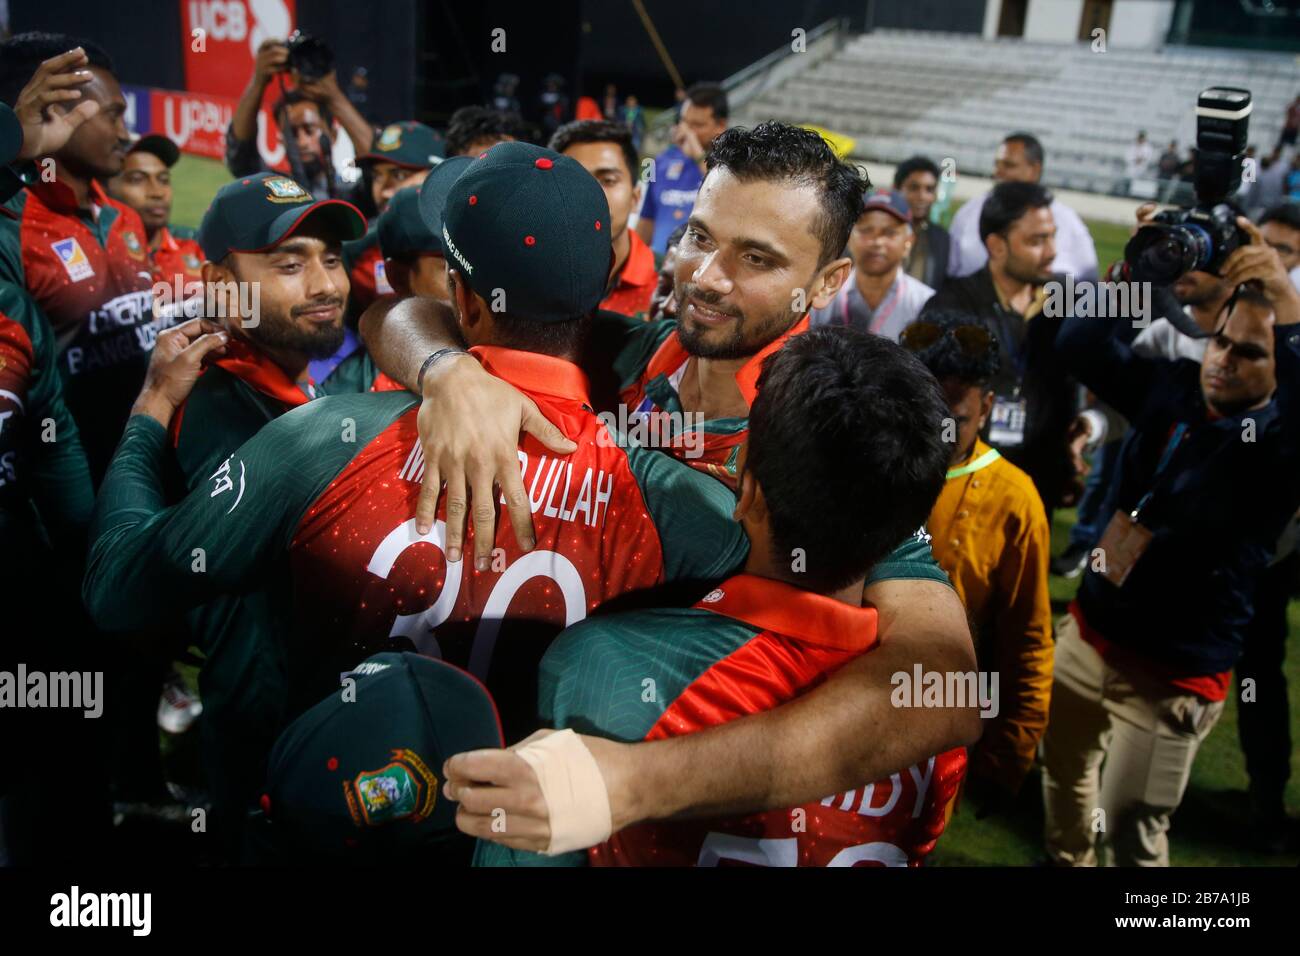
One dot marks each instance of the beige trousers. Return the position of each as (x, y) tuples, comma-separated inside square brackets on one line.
[(1116, 757)]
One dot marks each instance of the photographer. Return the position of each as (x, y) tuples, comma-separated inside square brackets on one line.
[(305, 114), (1204, 486)]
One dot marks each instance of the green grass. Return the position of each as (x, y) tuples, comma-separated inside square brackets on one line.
[(1208, 829)]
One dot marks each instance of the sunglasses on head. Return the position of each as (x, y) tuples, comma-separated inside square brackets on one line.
[(974, 340)]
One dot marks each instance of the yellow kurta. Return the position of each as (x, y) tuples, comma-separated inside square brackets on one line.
[(990, 533)]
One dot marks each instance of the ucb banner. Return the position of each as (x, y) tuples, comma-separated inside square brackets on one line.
[(221, 38)]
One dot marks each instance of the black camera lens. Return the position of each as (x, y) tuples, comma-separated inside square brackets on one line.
[(1160, 254)]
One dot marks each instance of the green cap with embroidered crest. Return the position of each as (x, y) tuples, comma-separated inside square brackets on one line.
[(257, 213), (409, 144), (358, 777)]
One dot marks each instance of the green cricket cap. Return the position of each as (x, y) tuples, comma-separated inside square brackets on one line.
[(408, 144)]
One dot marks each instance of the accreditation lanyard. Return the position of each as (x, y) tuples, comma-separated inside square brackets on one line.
[(883, 311), (1175, 439), (983, 461)]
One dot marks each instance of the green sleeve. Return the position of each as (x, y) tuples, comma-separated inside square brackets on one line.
[(912, 560), (355, 374), (59, 478), (638, 346), (692, 512), (147, 561)]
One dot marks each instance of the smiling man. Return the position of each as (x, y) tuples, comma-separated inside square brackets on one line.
[(145, 184)]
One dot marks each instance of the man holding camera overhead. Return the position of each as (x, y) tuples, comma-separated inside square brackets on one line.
[(306, 114)]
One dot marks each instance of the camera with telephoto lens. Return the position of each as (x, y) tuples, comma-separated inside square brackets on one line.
[(1179, 241), (309, 55)]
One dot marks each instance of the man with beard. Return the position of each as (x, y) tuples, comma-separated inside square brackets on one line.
[(145, 184), (763, 244), (1035, 400), (879, 297), (306, 115), (260, 373)]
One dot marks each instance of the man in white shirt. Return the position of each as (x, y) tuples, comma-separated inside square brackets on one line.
[(1139, 158), (1020, 159), (881, 297)]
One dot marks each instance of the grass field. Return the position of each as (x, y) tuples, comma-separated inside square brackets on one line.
[(1208, 829)]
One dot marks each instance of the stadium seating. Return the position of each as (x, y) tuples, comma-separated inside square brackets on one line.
[(956, 95)]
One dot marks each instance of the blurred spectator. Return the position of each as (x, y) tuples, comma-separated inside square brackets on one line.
[(1035, 400), (359, 89), (474, 129), (1170, 162), (145, 184), (587, 109), (679, 170), (610, 105), (1280, 227), (1290, 124), (306, 116), (605, 150), (1139, 157), (504, 99), (663, 304), (634, 119), (1140, 679), (1293, 179), (554, 105), (1020, 160), (917, 179), (1269, 186), (878, 297), (989, 532)]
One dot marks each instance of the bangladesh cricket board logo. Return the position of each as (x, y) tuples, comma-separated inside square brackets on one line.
[(391, 138), (133, 244), (405, 789), (285, 190)]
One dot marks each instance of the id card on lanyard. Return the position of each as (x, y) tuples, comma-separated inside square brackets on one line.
[(1007, 421), (883, 311)]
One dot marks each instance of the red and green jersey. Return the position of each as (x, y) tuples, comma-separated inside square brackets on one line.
[(748, 646), (89, 272), (635, 284), (175, 256), (365, 264), (323, 499), (653, 363), (45, 490)]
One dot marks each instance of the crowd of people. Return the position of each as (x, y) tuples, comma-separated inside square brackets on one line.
[(677, 472)]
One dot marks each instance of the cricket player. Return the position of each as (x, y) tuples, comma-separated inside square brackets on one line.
[(764, 636), (764, 245)]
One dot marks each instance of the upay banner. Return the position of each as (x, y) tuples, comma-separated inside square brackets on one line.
[(197, 122)]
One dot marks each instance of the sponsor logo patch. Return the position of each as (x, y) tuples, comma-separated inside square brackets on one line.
[(73, 258)]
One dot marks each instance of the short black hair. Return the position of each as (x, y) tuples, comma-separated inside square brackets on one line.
[(914, 164), (1286, 213), (1029, 142), (558, 339), (22, 53), (711, 95), (948, 359), (1007, 202), (846, 442), (470, 123), (778, 151), (597, 131), (294, 97)]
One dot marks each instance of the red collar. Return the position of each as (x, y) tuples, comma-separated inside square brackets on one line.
[(536, 373), (784, 609), (251, 365), (165, 242), (60, 197), (639, 270), (671, 355)]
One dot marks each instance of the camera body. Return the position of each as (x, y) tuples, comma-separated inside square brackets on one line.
[(309, 55), (1202, 237)]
